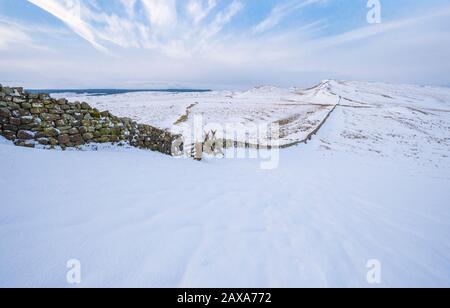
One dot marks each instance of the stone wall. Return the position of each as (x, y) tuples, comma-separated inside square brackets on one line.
[(30, 119)]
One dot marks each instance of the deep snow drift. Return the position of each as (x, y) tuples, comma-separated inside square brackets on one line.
[(373, 184)]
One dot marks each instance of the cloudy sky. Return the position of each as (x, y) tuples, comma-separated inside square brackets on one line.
[(220, 43)]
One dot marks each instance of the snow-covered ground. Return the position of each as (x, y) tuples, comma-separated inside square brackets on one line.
[(297, 112), (372, 185)]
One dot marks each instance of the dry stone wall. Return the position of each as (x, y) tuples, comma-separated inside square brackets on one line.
[(30, 119)]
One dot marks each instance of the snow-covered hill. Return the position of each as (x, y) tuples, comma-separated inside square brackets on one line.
[(381, 117), (372, 185), (392, 121), (299, 113)]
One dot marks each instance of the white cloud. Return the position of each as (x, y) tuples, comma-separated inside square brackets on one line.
[(365, 33), (221, 20), (199, 9), (70, 12), (130, 6), (11, 36), (15, 35), (281, 11), (113, 29), (163, 31), (196, 45), (161, 13)]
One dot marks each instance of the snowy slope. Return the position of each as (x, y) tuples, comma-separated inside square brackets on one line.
[(298, 112), (415, 115), (373, 184), (402, 120)]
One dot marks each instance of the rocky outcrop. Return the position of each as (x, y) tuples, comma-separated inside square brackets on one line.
[(30, 119)]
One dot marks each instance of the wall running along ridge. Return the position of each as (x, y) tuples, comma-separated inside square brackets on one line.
[(30, 119)]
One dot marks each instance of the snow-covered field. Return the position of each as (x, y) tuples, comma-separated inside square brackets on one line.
[(373, 184), (298, 112)]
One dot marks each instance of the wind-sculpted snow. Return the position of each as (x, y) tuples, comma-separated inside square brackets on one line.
[(373, 184)]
